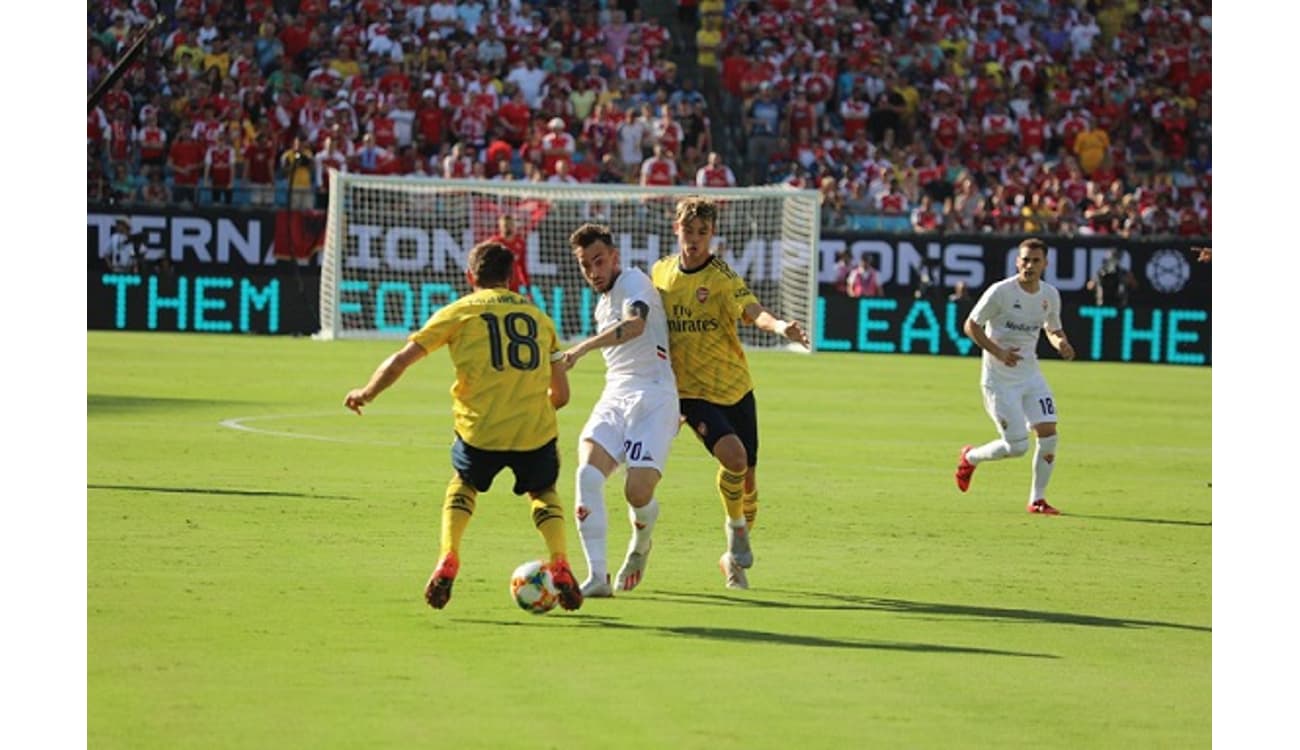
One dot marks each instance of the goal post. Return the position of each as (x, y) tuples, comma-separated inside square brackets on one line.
[(396, 247)]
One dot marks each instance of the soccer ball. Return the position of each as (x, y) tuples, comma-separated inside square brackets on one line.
[(532, 588)]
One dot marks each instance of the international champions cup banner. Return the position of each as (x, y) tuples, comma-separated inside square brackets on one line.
[(258, 271)]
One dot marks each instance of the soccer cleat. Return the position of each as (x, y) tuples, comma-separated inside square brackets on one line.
[(593, 589), (735, 575), (751, 513), (738, 545), (566, 584), (964, 469), (629, 576), (437, 592), (1041, 507)]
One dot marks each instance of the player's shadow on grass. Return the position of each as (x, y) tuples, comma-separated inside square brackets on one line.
[(211, 491), (1131, 519), (847, 602), (99, 403), (764, 636)]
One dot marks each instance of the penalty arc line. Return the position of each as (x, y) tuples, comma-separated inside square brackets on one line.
[(239, 423)]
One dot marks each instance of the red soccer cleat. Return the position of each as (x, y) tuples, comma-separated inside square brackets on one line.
[(964, 469), (566, 584), (437, 592), (1041, 507)]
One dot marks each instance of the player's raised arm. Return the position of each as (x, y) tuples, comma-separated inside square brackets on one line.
[(559, 390), (624, 331), (765, 320), (388, 372)]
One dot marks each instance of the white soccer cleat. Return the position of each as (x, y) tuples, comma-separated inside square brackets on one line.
[(633, 570), (593, 589), (734, 574), (738, 545)]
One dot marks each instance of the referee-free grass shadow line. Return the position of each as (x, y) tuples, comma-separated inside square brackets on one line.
[(212, 491), (1131, 519), (99, 403), (846, 602), (762, 636)]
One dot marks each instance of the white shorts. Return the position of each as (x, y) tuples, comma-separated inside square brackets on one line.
[(635, 428), (1017, 408)]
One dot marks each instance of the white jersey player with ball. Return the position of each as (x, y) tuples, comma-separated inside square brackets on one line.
[(636, 418), (1005, 323)]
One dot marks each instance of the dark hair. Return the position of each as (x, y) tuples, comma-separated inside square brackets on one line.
[(589, 234), (1033, 243), (491, 263)]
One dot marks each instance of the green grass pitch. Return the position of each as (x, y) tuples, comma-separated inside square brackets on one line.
[(256, 556)]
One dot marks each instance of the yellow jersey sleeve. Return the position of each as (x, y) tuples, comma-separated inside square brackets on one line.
[(704, 307), (501, 347)]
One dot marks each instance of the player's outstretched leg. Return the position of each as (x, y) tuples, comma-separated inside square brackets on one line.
[(965, 469), (437, 592), (566, 584), (732, 572)]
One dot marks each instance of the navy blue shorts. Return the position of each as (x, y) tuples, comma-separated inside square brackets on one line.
[(535, 470), (711, 422)]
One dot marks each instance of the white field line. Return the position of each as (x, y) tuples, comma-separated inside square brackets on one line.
[(240, 423)]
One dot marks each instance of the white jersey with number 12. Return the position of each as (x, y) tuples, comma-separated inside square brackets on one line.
[(1013, 317)]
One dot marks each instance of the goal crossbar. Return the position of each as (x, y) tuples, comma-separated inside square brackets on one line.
[(396, 247)]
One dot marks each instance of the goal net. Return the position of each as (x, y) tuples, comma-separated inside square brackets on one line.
[(396, 247)]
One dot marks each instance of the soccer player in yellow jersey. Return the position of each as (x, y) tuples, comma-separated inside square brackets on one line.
[(503, 404), (704, 301)]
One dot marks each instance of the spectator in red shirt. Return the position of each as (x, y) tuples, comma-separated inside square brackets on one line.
[(513, 117), (185, 159), (924, 217), (517, 244), (557, 145), (259, 170), (219, 169), (430, 123)]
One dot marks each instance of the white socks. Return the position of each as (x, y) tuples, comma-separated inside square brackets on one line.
[(643, 523), (593, 524), (1044, 460), (995, 449)]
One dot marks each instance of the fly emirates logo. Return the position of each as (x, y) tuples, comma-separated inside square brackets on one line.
[(682, 320)]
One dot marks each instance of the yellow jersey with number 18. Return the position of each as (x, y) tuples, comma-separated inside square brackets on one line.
[(704, 307), (501, 347)]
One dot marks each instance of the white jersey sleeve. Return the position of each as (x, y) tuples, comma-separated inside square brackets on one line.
[(1012, 317), (641, 363)]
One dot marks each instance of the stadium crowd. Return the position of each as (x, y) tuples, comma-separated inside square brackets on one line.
[(1051, 116)]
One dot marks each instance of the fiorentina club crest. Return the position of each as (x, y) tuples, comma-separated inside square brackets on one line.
[(1044, 305), (702, 294)]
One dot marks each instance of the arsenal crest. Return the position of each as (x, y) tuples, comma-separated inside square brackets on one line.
[(702, 294)]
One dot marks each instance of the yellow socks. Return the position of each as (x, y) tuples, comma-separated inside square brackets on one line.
[(548, 517), (730, 488), (457, 508), (750, 504)]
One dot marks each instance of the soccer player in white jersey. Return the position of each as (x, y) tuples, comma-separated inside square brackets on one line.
[(635, 420), (1005, 323)]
